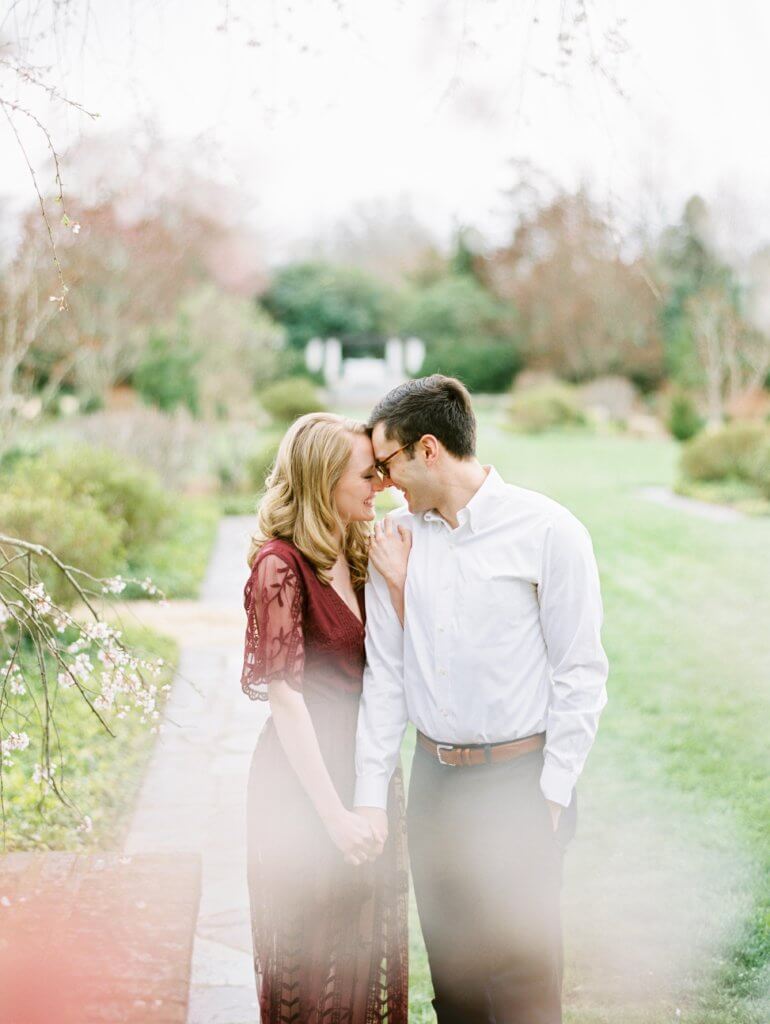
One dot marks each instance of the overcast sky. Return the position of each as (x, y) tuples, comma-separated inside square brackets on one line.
[(309, 107)]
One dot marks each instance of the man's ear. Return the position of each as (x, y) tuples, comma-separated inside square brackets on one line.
[(430, 446)]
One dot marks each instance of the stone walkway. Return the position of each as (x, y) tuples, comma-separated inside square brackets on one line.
[(701, 509), (193, 798)]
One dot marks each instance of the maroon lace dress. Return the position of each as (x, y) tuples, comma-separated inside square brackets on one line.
[(330, 940)]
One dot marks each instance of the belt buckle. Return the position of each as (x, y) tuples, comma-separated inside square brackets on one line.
[(439, 748)]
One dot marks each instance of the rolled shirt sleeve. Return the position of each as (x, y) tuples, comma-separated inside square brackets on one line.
[(382, 717), (571, 619)]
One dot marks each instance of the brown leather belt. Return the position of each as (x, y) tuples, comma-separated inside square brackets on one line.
[(483, 753)]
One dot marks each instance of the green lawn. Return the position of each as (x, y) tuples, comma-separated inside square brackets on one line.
[(667, 886)]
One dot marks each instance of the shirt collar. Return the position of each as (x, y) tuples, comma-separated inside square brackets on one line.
[(480, 505)]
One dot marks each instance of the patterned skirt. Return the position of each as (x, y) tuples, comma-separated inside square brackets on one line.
[(330, 940)]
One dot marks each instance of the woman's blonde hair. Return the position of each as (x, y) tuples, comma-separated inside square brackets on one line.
[(299, 499)]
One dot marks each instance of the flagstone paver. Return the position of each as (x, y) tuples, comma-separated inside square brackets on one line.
[(193, 797)]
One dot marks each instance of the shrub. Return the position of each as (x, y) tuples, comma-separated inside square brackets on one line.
[(684, 420), (123, 491), (165, 377), (486, 367), (287, 399), (259, 464), (728, 453), (172, 445), (71, 525), (760, 465), (546, 408)]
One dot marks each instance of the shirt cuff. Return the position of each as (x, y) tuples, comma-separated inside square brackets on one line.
[(557, 783), (372, 791)]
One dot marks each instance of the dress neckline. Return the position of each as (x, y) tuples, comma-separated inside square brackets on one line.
[(345, 604)]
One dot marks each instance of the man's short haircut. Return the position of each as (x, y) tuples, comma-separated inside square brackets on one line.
[(435, 405)]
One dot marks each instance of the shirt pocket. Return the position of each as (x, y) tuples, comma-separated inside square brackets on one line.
[(494, 605)]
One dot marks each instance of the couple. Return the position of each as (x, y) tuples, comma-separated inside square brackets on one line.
[(475, 614)]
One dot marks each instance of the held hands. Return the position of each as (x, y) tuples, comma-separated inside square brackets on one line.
[(353, 836), (378, 822), (389, 550)]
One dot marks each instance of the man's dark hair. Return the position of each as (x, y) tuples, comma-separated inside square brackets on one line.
[(435, 405)]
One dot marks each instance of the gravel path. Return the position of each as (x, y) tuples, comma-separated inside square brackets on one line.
[(702, 509)]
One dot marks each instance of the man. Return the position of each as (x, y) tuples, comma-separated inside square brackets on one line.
[(500, 667)]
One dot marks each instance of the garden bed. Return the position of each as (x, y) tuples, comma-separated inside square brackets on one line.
[(102, 774)]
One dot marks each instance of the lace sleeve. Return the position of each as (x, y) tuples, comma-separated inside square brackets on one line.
[(274, 644)]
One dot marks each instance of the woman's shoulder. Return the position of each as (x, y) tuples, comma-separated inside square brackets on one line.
[(278, 548)]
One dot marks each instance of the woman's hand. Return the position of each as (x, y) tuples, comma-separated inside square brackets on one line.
[(352, 835), (389, 551)]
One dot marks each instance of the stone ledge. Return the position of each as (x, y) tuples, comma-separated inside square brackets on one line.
[(98, 937)]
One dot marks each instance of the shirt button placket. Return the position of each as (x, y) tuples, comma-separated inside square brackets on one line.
[(444, 616)]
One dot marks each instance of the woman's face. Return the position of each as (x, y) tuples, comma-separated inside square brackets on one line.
[(354, 494)]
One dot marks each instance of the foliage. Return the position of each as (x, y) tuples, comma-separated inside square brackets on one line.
[(714, 320), (456, 308), (684, 420), (176, 562), (122, 490), (101, 774), (171, 445), (48, 652), (547, 408), (486, 367), (165, 376), (322, 300), (260, 463), (55, 516), (688, 266), (760, 466), (728, 453), (287, 399), (584, 310), (236, 346)]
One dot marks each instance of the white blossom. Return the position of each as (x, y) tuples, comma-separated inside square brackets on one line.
[(114, 585), (42, 774), (38, 598), (15, 741)]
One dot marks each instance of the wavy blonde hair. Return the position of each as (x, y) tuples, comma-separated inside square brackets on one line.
[(299, 500)]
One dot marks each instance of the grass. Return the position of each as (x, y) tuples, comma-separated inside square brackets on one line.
[(102, 774), (177, 562), (667, 886)]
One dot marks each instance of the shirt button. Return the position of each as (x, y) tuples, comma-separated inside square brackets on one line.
[(442, 671)]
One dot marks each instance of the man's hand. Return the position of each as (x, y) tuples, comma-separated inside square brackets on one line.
[(352, 836), (555, 810), (378, 822)]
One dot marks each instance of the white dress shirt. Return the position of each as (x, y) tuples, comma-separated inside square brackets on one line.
[(501, 638)]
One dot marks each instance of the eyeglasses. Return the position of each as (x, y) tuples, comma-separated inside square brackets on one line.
[(381, 467)]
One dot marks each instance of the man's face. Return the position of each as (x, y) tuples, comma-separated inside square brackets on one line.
[(406, 470)]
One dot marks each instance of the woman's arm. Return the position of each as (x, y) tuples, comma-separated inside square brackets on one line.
[(389, 552), (348, 831)]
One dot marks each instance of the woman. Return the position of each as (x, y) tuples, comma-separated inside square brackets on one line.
[(329, 916)]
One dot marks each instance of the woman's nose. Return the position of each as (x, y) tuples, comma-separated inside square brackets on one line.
[(378, 485)]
